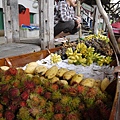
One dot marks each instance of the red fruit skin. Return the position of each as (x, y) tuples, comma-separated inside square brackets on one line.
[(29, 85), (11, 71), (58, 116), (9, 115), (57, 108), (23, 103), (39, 90), (5, 99), (1, 107), (4, 88), (13, 93), (1, 114), (47, 95), (25, 95), (54, 87), (13, 108), (73, 91), (80, 88)]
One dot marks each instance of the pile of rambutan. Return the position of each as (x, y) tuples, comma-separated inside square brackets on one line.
[(27, 98)]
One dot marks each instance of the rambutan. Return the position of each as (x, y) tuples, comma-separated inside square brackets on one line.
[(73, 91), (34, 111), (29, 85), (39, 90), (1, 107), (13, 107), (75, 103), (4, 88), (7, 78), (48, 95), (1, 115), (89, 101), (49, 106), (16, 83), (9, 115), (66, 100), (54, 87), (36, 79), (23, 103), (35, 97), (72, 116), (25, 95), (5, 99), (23, 114), (11, 71), (58, 116), (81, 107), (13, 93), (58, 108), (56, 96)]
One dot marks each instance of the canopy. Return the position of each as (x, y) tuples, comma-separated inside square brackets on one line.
[(116, 27)]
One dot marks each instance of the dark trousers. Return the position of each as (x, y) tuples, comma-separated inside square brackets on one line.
[(67, 26)]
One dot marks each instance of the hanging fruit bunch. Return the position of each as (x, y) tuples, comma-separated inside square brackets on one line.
[(85, 55)]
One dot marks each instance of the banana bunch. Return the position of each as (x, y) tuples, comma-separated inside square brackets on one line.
[(85, 56), (54, 57), (69, 51), (89, 37), (103, 37), (103, 60), (81, 47), (97, 37)]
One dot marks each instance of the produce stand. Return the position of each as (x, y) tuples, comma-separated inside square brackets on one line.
[(22, 60)]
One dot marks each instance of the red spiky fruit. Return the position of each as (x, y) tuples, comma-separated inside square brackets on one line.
[(29, 85), (72, 116), (13, 93), (1, 107), (47, 95), (9, 115), (58, 108), (59, 116), (39, 90), (23, 103), (11, 71), (25, 95), (4, 88)]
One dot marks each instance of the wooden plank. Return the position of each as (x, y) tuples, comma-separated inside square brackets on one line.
[(22, 60), (7, 21), (15, 20), (46, 22), (11, 22)]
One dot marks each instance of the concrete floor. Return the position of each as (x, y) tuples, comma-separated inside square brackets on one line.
[(26, 45)]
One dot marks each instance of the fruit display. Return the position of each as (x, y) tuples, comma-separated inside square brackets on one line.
[(50, 97), (86, 55), (100, 42)]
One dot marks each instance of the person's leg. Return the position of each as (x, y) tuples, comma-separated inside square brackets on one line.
[(75, 29), (63, 28)]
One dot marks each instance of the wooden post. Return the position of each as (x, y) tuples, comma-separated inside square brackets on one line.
[(15, 20), (46, 22), (79, 14), (7, 21), (96, 21), (11, 22), (105, 16)]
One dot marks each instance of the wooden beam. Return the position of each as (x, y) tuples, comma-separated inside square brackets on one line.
[(11, 22), (105, 16), (15, 20), (7, 21), (46, 22), (79, 14)]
